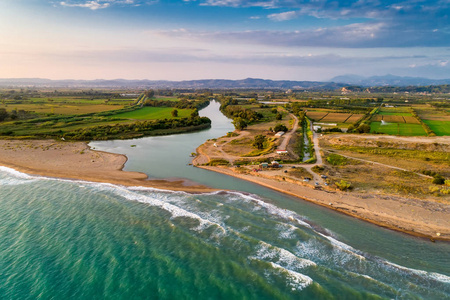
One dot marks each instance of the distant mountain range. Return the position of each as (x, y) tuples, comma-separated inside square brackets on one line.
[(249, 83), (387, 80)]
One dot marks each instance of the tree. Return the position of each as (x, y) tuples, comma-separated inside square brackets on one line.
[(259, 141), (280, 127), (274, 110), (149, 93), (3, 114), (279, 116), (239, 123), (194, 114), (174, 113)]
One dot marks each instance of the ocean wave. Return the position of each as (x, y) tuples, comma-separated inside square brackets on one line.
[(297, 280), (430, 275), (173, 209), (272, 209), (343, 246), (16, 174), (280, 256)]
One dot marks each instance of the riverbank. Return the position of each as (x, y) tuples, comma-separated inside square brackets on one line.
[(412, 216), (76, 160)]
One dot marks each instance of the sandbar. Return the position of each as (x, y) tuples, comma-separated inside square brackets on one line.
[(76, 160)]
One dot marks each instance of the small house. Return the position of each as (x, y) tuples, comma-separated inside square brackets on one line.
[(264, 165), (274, 164), (282, 152), (279, 134)]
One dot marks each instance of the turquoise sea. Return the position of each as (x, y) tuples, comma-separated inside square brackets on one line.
[(62, 239)]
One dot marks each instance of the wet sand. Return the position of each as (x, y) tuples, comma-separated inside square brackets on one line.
[(413, 216), (75, 160)]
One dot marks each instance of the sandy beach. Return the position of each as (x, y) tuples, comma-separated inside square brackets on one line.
[(413, 216), (75, 160)]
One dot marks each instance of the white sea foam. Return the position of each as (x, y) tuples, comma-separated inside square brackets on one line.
[(16, 174), (272, 209), (174, 210), (435, 276), (342, 246), (297, 280), (267, 252), (287, 231)]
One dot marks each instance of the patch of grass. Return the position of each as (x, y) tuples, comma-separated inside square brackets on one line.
[(336, 160), (154, 113), (443, 157), (218, 162)]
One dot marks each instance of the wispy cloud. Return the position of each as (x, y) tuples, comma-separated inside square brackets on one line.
[(100, 4), (359, 35)]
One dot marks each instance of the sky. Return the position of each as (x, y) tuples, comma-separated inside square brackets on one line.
[(223, 39)]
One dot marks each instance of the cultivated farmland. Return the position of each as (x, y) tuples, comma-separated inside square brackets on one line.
[(398, 129)]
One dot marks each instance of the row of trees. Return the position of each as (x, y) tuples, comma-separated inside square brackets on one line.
[(146, 127)]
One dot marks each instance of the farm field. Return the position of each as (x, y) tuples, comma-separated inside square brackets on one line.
[(316, 115), (353, 118), (398, 129), (154, 113), (439, 127), (62, 109), (430, 113), (395, 119), (333, 117)]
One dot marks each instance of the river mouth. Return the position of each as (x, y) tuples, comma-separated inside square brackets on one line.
[(168, 158)]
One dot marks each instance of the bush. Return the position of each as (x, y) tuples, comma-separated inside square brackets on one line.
[(343, 185), (438, 179), (280, 127), (259, 141)]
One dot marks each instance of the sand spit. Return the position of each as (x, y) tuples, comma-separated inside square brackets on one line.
[(75, 160)]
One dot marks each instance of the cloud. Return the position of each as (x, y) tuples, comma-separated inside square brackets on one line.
[(358, 35), (100, 4), (283, 16)]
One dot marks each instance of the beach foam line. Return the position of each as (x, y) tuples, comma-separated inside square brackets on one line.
[(16, 173)]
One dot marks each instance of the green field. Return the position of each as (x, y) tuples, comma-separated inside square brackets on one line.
[(154, 113), (398, 129), (393, 113), (173, 99), (439, 127)]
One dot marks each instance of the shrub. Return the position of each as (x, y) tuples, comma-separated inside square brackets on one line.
[(343, 185), (258, 142), (280, 127), (336, 160), (438, 179)]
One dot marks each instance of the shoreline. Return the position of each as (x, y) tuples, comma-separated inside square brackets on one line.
[(417, 217), (77, 161)]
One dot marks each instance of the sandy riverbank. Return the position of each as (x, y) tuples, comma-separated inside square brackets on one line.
[(75, 160), (413, 216)]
